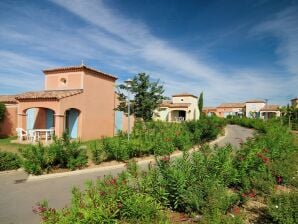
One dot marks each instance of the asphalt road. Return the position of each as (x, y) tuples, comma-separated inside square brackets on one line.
[(17, 196)]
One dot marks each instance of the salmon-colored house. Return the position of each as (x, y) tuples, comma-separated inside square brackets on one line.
[(78, 99)]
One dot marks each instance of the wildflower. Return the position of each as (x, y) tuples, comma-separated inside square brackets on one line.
[(102, 193), (279, 179), (276, 206), (165, 159), (236, 210), (120, 205), (252, 194)]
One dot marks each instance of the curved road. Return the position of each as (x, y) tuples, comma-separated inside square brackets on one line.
[(17, 196)]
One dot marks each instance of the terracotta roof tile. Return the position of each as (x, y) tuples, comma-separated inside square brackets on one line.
[(270, 107), (232, 105), (49, 94), (79, 68), (8, 99), (175, 105), (255, 101), (184, 94)]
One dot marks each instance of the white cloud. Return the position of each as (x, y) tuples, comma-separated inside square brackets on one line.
[(284, 26), (126, 45)]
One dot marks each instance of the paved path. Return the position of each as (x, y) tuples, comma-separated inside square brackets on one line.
[(17, 196)]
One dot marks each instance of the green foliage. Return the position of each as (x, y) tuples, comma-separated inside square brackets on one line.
[(283, 208), (63, 153), (147, 96), (109, 200), (201, 102), (211, 183), (156, 138), (98, 153), (9, 161), (2, 111)]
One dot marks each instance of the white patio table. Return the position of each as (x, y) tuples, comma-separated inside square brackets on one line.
[(47, 132)]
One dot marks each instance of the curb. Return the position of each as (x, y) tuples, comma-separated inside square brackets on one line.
[(32, 178), (12, 171)]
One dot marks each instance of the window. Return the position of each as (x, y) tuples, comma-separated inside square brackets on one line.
[(63, 81)]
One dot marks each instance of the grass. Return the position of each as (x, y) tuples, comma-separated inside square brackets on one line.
[(7, 146)]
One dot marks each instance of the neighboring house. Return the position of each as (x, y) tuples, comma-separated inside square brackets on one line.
[(233, 109), (78, 99), (8, 125), (253, 107), (294, 102), (182, 107), (270, 111), (209, 111)]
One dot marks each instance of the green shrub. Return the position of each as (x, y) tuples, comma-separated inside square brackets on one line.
[(283, 208), (9, 161), (62, 153), (109, 200), (98, 153)]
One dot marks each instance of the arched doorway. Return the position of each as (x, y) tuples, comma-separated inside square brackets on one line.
[(39, 118), (72, 122)]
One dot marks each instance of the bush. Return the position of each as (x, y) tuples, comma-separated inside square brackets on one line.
[(109, 200), (61, 154), (9, 161), (283, 208), (98, 152)]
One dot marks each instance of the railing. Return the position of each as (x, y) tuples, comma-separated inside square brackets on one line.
[(179, 119)]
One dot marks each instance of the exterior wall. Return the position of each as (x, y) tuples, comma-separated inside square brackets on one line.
[(97, 106), (269, 114), (74, 80), (193, 112), (40, 119), (225, 111), (9, 124), (253, 107), (294, 103)]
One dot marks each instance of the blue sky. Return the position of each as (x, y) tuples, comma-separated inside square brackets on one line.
[(230, 50)]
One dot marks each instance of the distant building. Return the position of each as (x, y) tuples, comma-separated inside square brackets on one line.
[(233, 109), (182, 107), (251, 108), (294, 102)]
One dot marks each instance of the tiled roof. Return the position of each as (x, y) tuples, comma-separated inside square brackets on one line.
[(270, 108), (8, 99), (79, 68), (209, 108), (49, 94), (255, 101), (232, 105), (184, 94), (175, 105), (296, 98)]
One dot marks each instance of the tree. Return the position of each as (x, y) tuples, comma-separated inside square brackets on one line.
[(2, 111), (200, 103), (147, 96)]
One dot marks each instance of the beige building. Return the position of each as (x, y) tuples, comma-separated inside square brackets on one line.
[(294, 102), (182, 107)]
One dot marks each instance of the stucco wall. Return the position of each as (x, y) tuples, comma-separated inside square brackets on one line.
[(74, 80), (9, 124), (253, 107)]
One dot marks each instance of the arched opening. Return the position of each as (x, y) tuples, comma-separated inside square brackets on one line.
[(39, 118), (72, 122), (178, 115)]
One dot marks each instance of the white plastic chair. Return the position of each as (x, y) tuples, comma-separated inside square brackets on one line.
[(32, 135), (21, 133)]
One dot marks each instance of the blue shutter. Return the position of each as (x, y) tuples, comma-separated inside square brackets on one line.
[(118, 121), (30, 118), (73, 123), (50, 119)]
